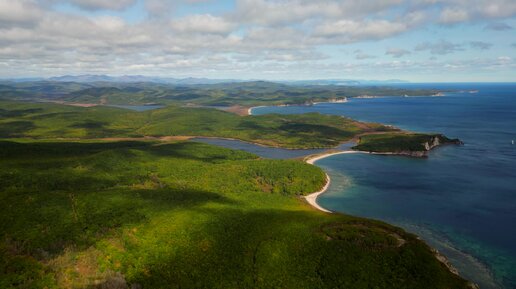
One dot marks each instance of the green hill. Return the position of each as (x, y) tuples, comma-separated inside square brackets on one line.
[(43, 121), (251, 93), (81, 210), (187, 215)]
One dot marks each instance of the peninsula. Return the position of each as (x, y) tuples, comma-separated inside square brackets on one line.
[(130, 156), (115, 198)]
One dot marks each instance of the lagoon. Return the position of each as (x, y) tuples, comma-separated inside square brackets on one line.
[(262, 151)]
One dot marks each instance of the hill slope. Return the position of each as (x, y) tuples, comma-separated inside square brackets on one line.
[(187, 215)]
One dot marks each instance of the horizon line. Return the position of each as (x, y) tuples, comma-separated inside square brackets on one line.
[(228, 80)]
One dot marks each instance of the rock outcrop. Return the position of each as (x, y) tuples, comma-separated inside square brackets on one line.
[(434, 142), (419, 147)]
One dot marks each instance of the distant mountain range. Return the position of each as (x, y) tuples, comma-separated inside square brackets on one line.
[(90, 78), (137, 78)]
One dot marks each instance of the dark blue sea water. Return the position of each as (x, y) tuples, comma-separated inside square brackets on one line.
[(462, 199)]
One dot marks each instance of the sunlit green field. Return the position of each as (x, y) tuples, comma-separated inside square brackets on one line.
[(48, 121)]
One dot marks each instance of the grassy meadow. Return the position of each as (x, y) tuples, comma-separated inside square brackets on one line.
[(50, 121)]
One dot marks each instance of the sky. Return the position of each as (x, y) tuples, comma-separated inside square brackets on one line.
[(418, 40)]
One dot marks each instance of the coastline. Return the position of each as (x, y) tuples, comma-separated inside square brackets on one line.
[(250, 109), (312, 198)]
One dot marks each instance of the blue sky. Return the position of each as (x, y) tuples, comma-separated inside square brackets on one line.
[(418, 40)]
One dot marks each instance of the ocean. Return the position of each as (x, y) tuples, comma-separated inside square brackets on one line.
[(462, 199)]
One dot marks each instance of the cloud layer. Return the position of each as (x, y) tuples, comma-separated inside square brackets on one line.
[(38, 38)]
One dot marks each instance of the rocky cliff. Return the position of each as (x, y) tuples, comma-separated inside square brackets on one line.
[(434, 142), (407, 144)]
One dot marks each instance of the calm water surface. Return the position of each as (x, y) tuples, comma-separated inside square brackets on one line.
[(462, 199), (266, 152)]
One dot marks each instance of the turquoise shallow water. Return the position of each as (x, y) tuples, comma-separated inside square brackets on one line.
[(462, 199)]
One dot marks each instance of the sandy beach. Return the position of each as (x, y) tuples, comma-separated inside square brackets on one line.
[(238, 109), (312, 159), (250, 110), (312, 198)]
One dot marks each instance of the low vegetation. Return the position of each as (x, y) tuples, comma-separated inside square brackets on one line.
[(140, 214), (47, 121), (402, 142), (89, 198), (251, 93)]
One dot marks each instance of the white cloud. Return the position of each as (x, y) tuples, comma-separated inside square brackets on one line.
[(504, 60), (204, 23), (349, 30), (450, 15), (497, 8), (103, 4), (158, 7), (36, 35), (440, 48), (397, 52), (361, 55), (15, 35), (280, 12), (480, 45), (474, 10), (109, 23), (19, 12), (498, 26)]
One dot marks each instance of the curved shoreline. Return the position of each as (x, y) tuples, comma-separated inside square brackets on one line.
[(311, 159), (312, 198), (250, 110), (344, 100)]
